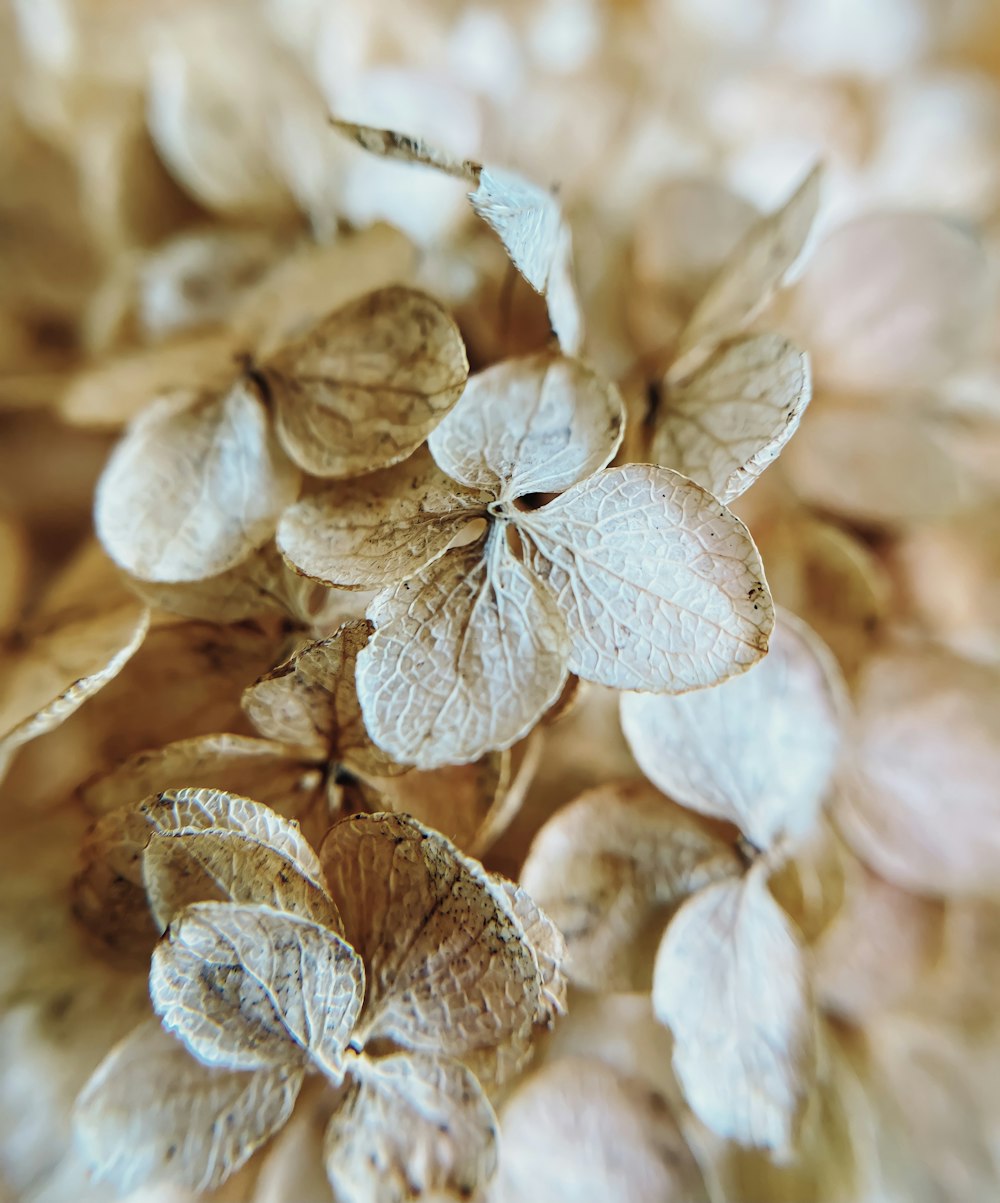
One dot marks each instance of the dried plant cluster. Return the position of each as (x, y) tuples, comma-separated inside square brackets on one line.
[(500, 678)]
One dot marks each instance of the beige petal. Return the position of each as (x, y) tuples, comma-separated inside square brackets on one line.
[(750, 275), (365, 387), (660, 585), (311, 700), (413, 1125), (115, 391), (448, 967), (304, 288), (193, 489), (465, 658), (532, 425), (547, 944), (249, 987), (581, 1132), (922, 808), (388, 144), (81, 635), (457, 800), (759, 750), (610, 867), (728, 421), (891, 301), (730, 983), (208, 845), (152, 1113), (530, 223), (15, 559), (262, 584), (379, 529)]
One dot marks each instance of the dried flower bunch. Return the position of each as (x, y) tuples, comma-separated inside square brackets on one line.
[(526, 726)]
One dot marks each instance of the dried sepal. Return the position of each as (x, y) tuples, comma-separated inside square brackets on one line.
[(250, 987), (750, 275), (759, 750), (219, 485), (581, 1131), (532, 425), (660, 586), (311, 700), (548, 945), (374, 531), (412, 1124), (151, 1112), (82, 634), (609, 868), (448, 966), (527, 219), (364, 388), (466, 655), (730, 983), (729, 420)]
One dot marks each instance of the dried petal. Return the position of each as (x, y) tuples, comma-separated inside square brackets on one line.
[(730, 983), (532, 425), (759, 750), (448, 968), (922, 805), (413, 1123), (751, 274), (249, 987), (193, 489), (363, 389), (611, 866), (389, 144), (660, 585), (465, 658), (547, 944), (312, 700), (81, 636), (581, 1132), (152, 1113), (729, 420), (380, 529)]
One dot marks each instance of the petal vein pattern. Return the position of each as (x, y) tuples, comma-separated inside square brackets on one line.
[(660, 585), (465, 657)]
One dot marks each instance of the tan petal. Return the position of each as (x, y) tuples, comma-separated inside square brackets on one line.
[(532, 425), (115, 391), (547, 944), (759, 750), (379, 529), (193, 489), (750, 275), (891, 301), (921, 806), (448, 967), (457, 800), (364, 388), (388, 144), (262, 584), (249, 987), (610, 867), (660, 585), (152, 1113), (311, 700), (730, 983), (15, 559), (82, 634), (412, 1125), (729, 420), (581, 1132), (465, 658)]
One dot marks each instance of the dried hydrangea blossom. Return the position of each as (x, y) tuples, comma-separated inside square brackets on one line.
[(360, 390), (79, 638), (729, 401), (278, 978), (527, 219), (729, 979), (632, 577)]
